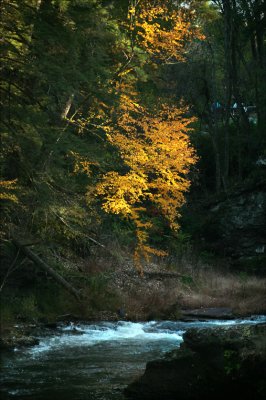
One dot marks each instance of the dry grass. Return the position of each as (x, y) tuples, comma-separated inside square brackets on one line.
[(244, 294), (197, 286)]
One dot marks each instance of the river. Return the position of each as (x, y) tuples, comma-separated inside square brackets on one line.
[(92, 361)]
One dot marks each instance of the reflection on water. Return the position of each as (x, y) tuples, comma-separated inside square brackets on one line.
[(91, 361)]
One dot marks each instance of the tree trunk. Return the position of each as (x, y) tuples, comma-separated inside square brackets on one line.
[(229, 84), (45, 267), (218, 174), (67, 107)]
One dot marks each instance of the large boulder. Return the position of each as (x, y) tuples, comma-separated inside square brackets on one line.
[(212, 363), (236, 227)]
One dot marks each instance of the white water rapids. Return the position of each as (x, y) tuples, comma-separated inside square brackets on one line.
[(94, 361)]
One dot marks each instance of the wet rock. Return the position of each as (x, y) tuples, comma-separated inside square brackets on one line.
[(51, 325), (121, 313), (11, 342), (212, 363), (68, 318), (209, 313)]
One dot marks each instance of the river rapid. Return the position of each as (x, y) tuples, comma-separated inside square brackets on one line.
[(92, 361)]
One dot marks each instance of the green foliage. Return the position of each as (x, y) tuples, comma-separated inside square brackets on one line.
[(28, 307), (100, 297), (42, 301), (187, 280), (251, 265), (122, 231), (243, 277), (207, 257), (231, 362), (23, 307)]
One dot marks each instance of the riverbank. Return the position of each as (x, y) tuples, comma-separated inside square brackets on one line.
[(111, 288), (114, 290), (165, 291)]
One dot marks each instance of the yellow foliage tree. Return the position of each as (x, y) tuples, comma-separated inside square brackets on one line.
[(161, 29), (156, 150), (154, 146)]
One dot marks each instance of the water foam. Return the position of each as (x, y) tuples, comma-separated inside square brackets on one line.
[(88, 335)]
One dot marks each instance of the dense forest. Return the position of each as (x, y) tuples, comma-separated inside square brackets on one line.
[(130, 130)]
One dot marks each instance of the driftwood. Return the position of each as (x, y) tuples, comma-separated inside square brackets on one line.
[(155, 274), (11, 268), (162, 275), (45, 267)]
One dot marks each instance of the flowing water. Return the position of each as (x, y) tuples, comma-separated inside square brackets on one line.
[(91, 361)]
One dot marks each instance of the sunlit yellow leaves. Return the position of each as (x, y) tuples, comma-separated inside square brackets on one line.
[(124, 72), (161, 29), (96, 118), (122, 192), (7, 190), (82, 164), (158, 155), (131, 11)]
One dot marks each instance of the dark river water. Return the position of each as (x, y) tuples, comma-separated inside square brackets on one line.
[(91, 361)]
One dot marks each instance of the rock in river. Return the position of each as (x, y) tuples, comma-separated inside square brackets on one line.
[(212, 363)]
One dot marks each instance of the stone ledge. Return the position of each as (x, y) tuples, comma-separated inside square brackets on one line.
[(212, 363)]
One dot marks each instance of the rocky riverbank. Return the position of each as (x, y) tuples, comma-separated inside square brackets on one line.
[(212, 363)]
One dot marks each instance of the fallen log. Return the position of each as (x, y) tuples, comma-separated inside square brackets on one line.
[(45, 267), (162, 275)]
